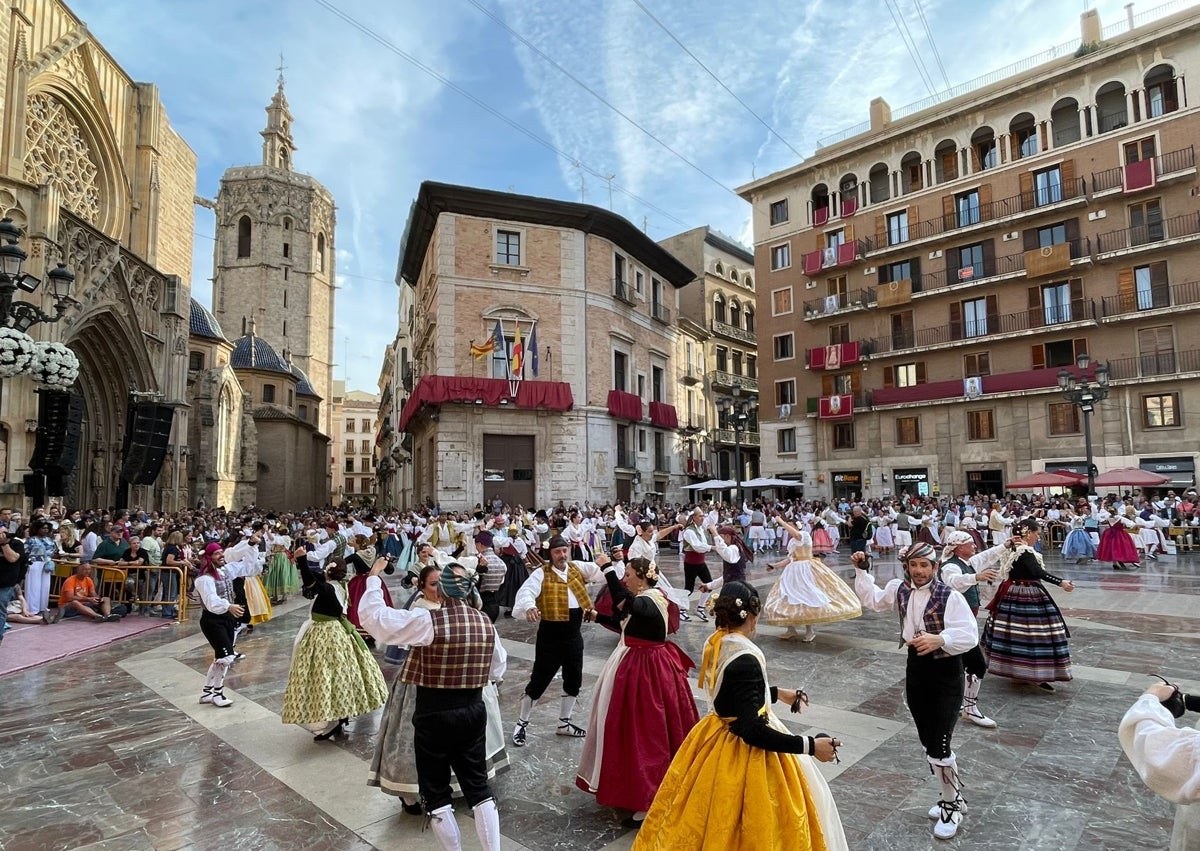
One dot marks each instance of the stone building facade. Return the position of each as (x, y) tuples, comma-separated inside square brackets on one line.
[(92, 169), (592, 415), (721, 363), (274, 257), (929, 277)]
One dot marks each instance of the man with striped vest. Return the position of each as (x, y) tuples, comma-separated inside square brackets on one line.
[(555, 597), (455, 653), (697, 541), (963, 569), (937, 626)]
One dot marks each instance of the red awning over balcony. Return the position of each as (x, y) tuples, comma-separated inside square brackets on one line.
[(834, 356), (439, 389), (957, 388), (625, 406), (663, 415)]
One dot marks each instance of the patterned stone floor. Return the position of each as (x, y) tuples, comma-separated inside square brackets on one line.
[(111, 751)]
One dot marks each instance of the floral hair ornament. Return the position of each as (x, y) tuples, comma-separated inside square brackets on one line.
[(652, 571)]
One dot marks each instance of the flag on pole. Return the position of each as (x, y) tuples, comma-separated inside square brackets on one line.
[(532, 346), (516, 367), (486, 348)]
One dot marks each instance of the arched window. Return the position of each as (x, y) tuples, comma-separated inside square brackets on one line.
[(1162, 93), (735, 313), (320, 252), (1065, 118), (983, 149), (225, 436), (719, 269), (719, 308), (881, 189), (820, 204), (287, 222), (1112, 107), (945, 161), (750, 319), (283, 158), (912, 173), (1022, 133), (243, 237)]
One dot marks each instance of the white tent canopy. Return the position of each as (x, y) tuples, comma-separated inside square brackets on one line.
[(768, 482), (711, 485)]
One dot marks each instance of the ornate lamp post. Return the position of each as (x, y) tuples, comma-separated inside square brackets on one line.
[(737, 412), (1085, 394)]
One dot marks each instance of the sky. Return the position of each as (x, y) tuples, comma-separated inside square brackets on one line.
[(658, 109)]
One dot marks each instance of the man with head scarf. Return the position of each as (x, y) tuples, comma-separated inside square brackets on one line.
[(937, 627), (962, 570), (555, 597), (455, 653)]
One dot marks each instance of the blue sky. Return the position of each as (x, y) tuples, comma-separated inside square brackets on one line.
[(371, 126)]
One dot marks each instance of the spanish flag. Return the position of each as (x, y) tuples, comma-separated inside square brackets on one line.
[(516, 368)]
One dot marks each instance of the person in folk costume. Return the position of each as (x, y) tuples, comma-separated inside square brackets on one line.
[(833, 525), (758, 527), (1078, 543), (219, 620), (642, 542), (282, 576), (937, 626), (513, 549), (442, 533), (963, 569), (998, 523), (807, 592), (643, 707), (333, 676), (740, 781), (735, 558), (1117, 542), (492, 571), (967, 523), (393, 764), (1025, 638), (927, 532), (455, 653), (1148, 532), (697, 541), (884, 541), (360, 562), (822, 542), (555, 597)]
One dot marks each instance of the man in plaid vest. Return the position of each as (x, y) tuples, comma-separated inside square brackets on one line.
[(455, 652), (556, 599), (937, 626)]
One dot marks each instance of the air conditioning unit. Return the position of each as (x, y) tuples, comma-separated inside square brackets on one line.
[(870, 270), (1009, 237), (1099, 214), (810, 285), (934, 255)]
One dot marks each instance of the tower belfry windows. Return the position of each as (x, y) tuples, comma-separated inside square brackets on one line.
[(243, 237)]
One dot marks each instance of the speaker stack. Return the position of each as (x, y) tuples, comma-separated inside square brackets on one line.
[(147, 437), (56, 450)]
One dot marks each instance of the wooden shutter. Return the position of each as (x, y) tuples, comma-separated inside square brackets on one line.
[(1158, 274), (952, 261), (920, 372), (1072, 228), (1028, 201), (827, 384), (989, 257), (993, 314), (1066, 170), (1079, 344), (1036, 316), (913, 216), (848, 233), (956, 323), (1029, 238), (881, 232), (1045, 146), (889, 377), (985, 202), (949, 217), (1038, 359), (1076, 297), (974, 159), (856, 382), (1126, 292)]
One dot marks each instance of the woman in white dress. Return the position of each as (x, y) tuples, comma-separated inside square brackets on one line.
[(884, 542), (808, 592)]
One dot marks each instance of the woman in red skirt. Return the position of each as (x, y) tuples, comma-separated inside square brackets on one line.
[(643, 708), (1116, 542)]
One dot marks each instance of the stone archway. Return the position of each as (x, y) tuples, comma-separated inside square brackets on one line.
[(111, 365)]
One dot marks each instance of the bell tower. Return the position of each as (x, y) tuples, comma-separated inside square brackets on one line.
[(278, 147)]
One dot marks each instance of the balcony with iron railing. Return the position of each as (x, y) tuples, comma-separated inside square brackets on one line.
[(1154, 365), (693, 373), (727, 436), (1127, 239), (694, 424), (976, 216), (1154, 297), (862, 401), (1033, 319), (659, 312), (622, 291), (720, 378), (828, 305), (662, 463), (1165, 166), (696, 467), (733, 332), (626, 458)]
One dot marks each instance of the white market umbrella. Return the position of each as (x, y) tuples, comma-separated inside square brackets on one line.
[(768, 482), (711, 485)]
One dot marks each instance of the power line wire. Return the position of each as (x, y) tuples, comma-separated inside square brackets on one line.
[(540, 54), (448, 83), (937, 55), (905, 37), (715, 78)]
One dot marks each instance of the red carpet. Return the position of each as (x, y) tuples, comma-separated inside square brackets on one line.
[(26, 646)]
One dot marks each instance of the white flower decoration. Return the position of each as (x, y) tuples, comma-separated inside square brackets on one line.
[(16, 352), (54, 365)]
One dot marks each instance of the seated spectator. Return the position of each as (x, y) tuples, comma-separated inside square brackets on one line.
[(78, 598), (18, 609)]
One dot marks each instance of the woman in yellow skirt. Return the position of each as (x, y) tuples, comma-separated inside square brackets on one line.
[(740, 780), (808, 592)]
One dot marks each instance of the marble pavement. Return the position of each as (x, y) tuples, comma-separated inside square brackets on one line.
[(112, 751)]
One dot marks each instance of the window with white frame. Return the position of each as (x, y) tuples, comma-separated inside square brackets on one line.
[(787, 440), (508, 247), (781, 256)]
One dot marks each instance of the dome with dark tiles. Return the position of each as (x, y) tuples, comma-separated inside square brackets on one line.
[(202, 323), (251, 352), (304, 386)]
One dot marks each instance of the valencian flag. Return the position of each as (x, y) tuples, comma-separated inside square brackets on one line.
[(532, 347), (489, 345), (517, 366)]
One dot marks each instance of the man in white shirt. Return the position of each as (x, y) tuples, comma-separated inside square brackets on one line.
[(697, 541), (937, 626)]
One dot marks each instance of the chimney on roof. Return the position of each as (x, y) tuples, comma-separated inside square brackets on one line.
[(881, 114), (1089, 27)]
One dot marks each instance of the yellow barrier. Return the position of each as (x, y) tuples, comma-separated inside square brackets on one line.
[(123, 584)]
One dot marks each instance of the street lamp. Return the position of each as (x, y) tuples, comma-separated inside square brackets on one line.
[(737, 412), (22, 315), (1085, 394)]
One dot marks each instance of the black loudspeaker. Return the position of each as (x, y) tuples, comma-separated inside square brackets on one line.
[(60, 423), (35, 488), (147, 436)]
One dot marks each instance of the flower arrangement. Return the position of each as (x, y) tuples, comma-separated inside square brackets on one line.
[(16, 352), (54, 365)]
